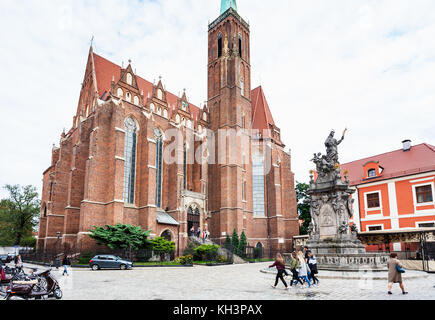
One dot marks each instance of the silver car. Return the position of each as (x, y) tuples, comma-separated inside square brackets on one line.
[(109, 262)]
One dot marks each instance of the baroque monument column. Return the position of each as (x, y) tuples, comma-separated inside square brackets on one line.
[(331, 238)]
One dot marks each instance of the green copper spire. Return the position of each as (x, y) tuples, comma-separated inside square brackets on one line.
[(226, 4)]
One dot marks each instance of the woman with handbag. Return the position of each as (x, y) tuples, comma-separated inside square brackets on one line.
[(395, 270)]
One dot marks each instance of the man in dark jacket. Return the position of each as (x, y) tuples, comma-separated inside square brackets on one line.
[(66, 263), (312, 264)]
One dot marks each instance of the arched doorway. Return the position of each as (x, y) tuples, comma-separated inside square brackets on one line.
[(259, 251), (193, 219), (167, 235)]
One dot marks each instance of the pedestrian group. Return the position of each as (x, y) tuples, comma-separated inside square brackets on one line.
[(303, 266)]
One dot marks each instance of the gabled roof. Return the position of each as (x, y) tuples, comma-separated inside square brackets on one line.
[(105, 70), (398, 163), (261, 115)]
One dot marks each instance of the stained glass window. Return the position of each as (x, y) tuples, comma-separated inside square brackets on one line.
[(130, 160), (185, 166), (258, 184), (159, 166)]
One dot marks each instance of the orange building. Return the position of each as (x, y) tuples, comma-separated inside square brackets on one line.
[(395, 190)]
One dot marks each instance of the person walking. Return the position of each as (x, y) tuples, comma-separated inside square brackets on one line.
[(294, 267), (18, 262), (280, 266), (66, 263), (312, 264), (192, 231), (394, 276), (303, 269)]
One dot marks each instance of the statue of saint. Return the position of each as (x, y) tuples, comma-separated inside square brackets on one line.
[(332, 147)]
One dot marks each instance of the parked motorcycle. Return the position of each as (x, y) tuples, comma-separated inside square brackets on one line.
[(43, 286)]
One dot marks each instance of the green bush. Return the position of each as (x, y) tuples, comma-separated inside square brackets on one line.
[(85, 258), (185, 260), (221, 259), (190, 249), (206, 251)]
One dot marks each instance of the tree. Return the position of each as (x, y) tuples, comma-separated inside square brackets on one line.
[(161, 246), (18, 214), (228, 243), (303, 206), (235, 241), (243, 243), (121, 236)]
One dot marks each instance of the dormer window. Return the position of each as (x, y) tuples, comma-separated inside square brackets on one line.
[(204, 116), (177, 119), (152, 107), (371, 173), (160, 94), (184, 105), (129, 79), (136, 100), (128, 97), (165, 113), (120, 93)]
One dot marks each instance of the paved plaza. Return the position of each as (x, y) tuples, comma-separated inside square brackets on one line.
[(233, 282)]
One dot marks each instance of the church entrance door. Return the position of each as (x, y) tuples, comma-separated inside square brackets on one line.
[(193, 220)]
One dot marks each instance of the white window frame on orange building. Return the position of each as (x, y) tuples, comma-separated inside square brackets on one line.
[(367, 209), (417, 223), (375, 225), (414, 196)]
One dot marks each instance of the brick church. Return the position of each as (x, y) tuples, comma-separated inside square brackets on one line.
[(111, 166)]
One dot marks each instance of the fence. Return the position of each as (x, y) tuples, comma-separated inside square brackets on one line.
[(79, 256)]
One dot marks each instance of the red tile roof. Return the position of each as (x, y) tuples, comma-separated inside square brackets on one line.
[(261, 115), (106, 70), (399, 163)]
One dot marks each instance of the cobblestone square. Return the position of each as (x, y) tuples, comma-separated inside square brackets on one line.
[(233, 282)]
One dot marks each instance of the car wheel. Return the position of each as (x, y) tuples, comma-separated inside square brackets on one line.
[(95, 267), (123, 267)]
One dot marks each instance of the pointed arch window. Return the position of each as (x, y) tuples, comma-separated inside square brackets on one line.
[(159, 166), (258, 184), (220, 45), (185, 166), (240, 44), (130, 128), (242, 87)]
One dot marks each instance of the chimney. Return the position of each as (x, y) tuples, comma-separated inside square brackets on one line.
[(406, 145)]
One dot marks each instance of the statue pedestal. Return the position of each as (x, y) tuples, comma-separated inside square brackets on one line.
[(346, 255), (335, 245)]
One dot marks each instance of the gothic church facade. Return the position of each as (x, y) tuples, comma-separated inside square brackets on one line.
[(109, 167)]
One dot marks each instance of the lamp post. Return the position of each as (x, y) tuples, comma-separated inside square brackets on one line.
[(57, 250)]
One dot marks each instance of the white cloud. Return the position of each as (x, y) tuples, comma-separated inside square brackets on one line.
[(367, 65)]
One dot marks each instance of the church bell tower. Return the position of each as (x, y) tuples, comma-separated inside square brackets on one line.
[(229, 102)]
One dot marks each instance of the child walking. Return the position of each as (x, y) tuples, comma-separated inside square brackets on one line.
[(280, 266), (294, 267), (312, 264), (303, 269)]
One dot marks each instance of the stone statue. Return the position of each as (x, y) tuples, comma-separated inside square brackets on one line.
[(331, 238), (332, 147)]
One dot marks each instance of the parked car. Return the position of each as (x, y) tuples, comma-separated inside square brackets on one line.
[(7, 258), (109, 262)]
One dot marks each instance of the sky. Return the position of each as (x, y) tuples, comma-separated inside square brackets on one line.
[(366, 65)]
